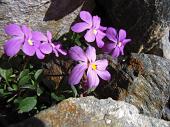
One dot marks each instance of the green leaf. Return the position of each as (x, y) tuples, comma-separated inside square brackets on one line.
[(17, 100), (13, 76), (3, 93), (57, 98), (38, 73), (15, 87), (27, 104), (12, 98), (6, 73), (77, 40), (39, 91), (74, 91), (9, 89), (24, 80), (28, 86), (23, 73)]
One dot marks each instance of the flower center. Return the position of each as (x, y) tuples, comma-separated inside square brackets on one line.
[(30, 42), (119, 44), (95, 31), (94, 66)]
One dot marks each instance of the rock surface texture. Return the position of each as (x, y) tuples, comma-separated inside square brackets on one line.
[(142, 80), (145, 20), (91, 112), (166, 44), (150, 89)]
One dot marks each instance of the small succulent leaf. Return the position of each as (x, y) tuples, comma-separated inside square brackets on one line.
[(38, 74), (23, 73), (24, 80), (27, 104), (57, 98), (39, 91), (6, 73)]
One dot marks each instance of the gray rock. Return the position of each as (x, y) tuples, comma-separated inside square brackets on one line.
[(150, 90), (142, 80), (166, 114), (166, 44), (91, 112), (145, 20)]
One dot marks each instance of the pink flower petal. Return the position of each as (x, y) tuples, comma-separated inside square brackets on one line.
[(77, 73), (49, 36), (91, 53), (109, 47), (92, 78), (105, 75), (13, 30), (39, 54), (101, 64), (62, 51), (38, 36), (77, 54), (100, 42), (80, 27), (56, 52), (116, 52), (90, 36), (12, 47), (86, 16), (102, 28), (121, 50), (28, 49), (111, 34), (45, 48), (27, 32), (100, 35), (125, 41), (122, 35), (96, 22)]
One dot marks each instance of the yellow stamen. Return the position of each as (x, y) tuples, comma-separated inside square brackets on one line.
[(119, 44), (94, 66), (30, 42), (95, 31)]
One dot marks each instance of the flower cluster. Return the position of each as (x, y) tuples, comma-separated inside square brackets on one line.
[(90, 69), (87, 60), (31, 42), (95, 31)]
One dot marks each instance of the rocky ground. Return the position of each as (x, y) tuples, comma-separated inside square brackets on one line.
[(91, 112)]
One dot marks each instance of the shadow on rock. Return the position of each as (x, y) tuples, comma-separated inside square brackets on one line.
[(32, 122)]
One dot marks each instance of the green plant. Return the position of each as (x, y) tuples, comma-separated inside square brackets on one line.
[(23, 84)]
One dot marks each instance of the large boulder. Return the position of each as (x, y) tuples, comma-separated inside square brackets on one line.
[(145, 20), (91, 112), (142, 80), (33, 13)]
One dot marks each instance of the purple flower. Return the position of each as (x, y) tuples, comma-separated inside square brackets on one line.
[(32, 43), (12, 46), (23, 37), (92, 25), (87, 61), (118, 42), (54, 47)]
